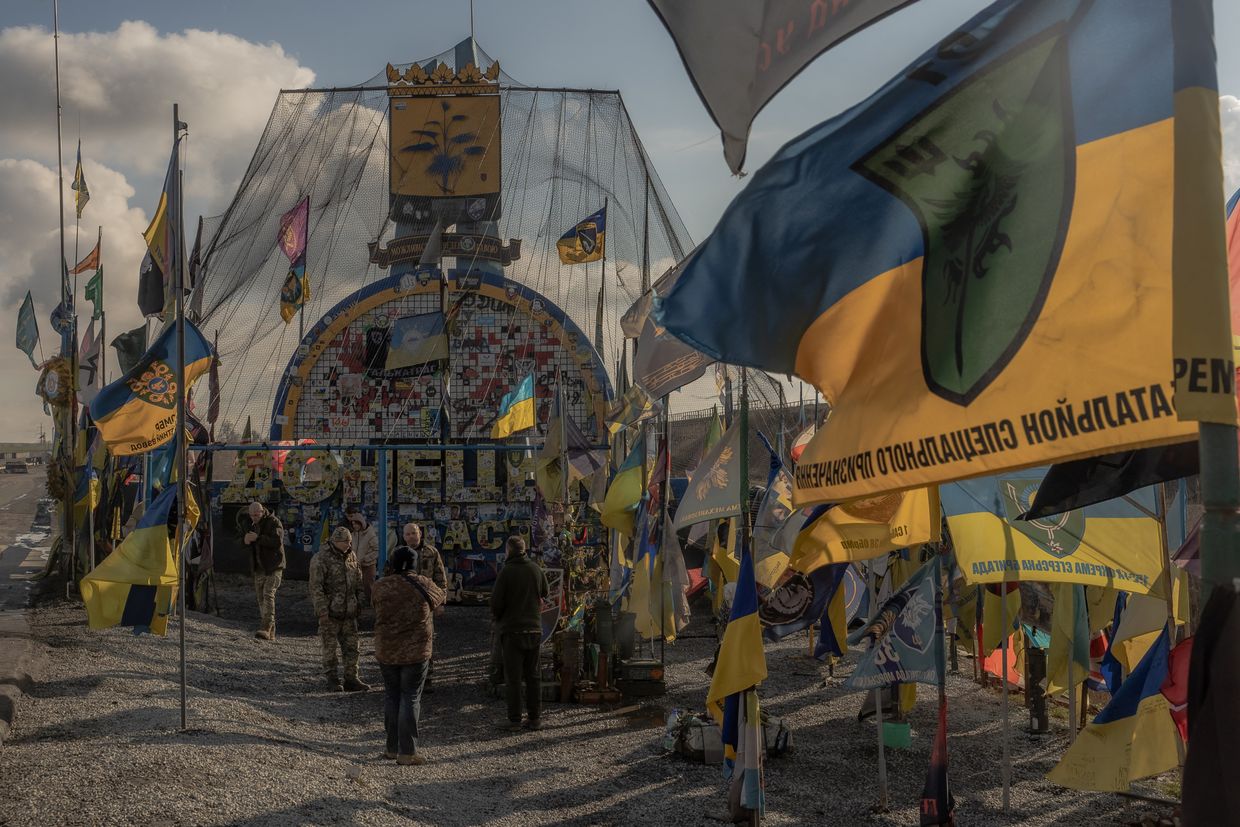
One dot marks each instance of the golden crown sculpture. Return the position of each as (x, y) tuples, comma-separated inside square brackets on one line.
[(416, 80)]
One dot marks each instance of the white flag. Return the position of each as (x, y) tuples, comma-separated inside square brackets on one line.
[(88, 365)]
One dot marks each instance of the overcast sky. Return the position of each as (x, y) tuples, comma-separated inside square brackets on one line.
[(123, 63)]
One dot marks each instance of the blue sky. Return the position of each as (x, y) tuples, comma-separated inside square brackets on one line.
[(593, 44)]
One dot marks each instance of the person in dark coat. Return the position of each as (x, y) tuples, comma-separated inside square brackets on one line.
[(405, 606), (263, 535), (516, 607)]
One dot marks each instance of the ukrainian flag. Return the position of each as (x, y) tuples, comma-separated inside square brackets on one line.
[(516, 410), (866, 528), (1134, 737), (138, 411), (135, 584), (624, 494), (741, 663), (1115, 543), (1045, 160), (586, 241)]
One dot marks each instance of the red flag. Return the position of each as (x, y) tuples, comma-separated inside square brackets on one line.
[(938, 805), (1175, 687)]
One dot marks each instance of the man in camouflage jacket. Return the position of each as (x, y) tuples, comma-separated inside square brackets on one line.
[(336, 590)]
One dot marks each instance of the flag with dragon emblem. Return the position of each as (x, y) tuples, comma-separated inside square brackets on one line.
[(1021, 259)]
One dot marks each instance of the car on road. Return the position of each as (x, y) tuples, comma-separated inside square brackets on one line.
[(16, 467)]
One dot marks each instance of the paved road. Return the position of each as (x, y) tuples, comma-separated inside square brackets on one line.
[(24, 550)]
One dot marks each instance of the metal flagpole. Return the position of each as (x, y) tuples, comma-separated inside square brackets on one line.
[(68, 345), (1071, 672), (1005, 635), (878, 703), (743, 535), (182, 454), (663, 581)]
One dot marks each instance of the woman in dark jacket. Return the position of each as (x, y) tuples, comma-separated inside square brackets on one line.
[(405, 604)]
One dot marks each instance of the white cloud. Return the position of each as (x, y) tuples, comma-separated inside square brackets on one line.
[(29, 248), (1229, 108), (118, 88)]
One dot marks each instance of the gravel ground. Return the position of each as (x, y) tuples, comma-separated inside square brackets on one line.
[(98, 741)]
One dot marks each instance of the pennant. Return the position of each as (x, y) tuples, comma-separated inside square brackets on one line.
[(62, 318), (775, 509), (138, 411), (1084, 206), (1069, 638), (91, 262), (904, 644), (27, 329), (163, 244), (1112, 544), (867, 528), (1132, 738), (584, 242), (293, 240), (516, 410), (432, 253), (741, 53), (995, 607), (88, 365), (81, 192), (136, 584), (716, 488), (583, 462), (662, 363), (94, 293)]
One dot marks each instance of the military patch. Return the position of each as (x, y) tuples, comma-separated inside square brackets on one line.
[(988, 170), (1059, 536)]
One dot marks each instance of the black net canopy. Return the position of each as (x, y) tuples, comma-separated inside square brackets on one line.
[(562, 155)]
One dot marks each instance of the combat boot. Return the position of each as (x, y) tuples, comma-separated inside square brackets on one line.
[(352, 684), (333, 683)]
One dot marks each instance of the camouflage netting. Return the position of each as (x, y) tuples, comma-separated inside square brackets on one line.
[(563, 153)]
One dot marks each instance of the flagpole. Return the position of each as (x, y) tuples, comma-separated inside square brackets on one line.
[(743, 536), (103, 319), (663, 582), (1005, 636), (68, 345), (1168, 576), (1071, 673), (878, 703), (182, 454)]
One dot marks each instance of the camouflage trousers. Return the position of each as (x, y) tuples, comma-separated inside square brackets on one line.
[(342, 633), (265, 586)]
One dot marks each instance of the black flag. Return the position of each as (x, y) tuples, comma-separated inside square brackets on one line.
[(129, 347), (1071, 485)]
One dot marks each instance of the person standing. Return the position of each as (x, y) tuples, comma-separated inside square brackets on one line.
[(336, 590), (405, 606), (429, 563), (365, 545), (516, 606), (263, 535)]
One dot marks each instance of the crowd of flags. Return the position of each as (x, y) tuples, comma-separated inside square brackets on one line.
[(950, 319)]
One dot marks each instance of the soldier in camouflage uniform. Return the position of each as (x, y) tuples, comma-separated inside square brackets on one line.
[(336, 589)]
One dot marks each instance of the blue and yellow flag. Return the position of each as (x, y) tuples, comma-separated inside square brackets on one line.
[(904, 637), (516, 410), (135, 584), (742, 662), (866, 528), (624, 494), (1033, 167), (586, 241), (1133, 737), (632, 408), (1114, 543), (138, 411)]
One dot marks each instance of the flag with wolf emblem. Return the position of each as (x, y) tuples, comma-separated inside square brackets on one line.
[(1038, 164)]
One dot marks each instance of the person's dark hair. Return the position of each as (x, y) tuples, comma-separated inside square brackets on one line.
[(401, 561), (516, 545)]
